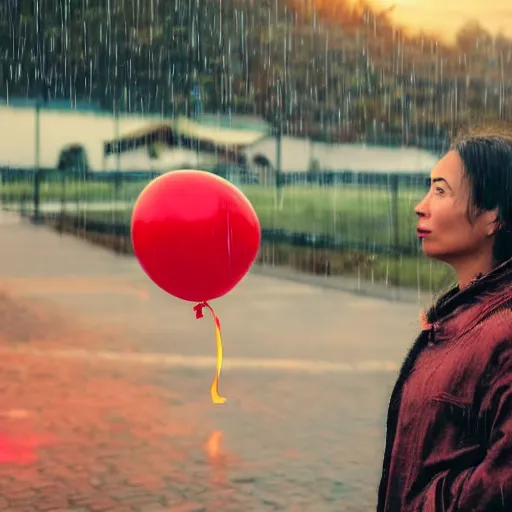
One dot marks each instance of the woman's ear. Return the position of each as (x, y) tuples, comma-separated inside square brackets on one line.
[(494, 223)]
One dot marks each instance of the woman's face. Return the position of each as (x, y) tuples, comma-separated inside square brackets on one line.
[(443, 225)]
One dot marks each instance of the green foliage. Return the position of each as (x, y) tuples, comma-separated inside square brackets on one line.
[(98, 51)]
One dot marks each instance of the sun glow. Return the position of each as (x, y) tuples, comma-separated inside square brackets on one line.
[(436, 17)]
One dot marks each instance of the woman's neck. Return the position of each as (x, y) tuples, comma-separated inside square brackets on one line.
[(468, 271)]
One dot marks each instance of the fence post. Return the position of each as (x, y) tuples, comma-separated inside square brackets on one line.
[(395, 222), (116, 242), (36, 216)]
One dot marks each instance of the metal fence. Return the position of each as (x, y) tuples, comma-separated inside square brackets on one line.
[(364, 212)]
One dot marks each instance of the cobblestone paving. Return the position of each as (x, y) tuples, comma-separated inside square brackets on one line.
[(92, 436), (87, 434), (83, 432)]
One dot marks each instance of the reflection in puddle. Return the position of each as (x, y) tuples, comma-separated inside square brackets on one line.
[(213, 445), (21, 450), (16, 414), (217, 458)]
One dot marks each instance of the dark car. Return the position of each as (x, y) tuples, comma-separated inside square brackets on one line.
[(73, 160)]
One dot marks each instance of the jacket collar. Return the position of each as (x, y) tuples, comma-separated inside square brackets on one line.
[(458, 311)]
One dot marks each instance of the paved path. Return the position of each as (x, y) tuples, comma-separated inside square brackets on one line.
[(71, 206), (105, 388)]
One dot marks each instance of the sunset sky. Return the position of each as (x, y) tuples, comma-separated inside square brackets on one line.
[(445, 17)]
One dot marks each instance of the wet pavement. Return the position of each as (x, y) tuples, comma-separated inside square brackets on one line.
[(105, 388)]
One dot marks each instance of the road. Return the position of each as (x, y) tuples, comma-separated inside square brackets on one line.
[(70, 206), (105, 383)]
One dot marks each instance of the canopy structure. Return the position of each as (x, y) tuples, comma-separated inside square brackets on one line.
[(224, 138)]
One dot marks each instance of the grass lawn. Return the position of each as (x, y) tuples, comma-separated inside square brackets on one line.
[(359, 214), (411, 272), (354, 213)]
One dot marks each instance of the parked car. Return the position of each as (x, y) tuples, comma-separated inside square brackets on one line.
[(73, 159)]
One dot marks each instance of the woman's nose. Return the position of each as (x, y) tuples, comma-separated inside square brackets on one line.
[(421, 208)]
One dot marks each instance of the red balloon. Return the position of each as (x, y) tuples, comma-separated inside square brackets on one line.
[(195, 234)]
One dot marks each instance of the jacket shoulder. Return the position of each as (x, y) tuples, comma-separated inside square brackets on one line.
[(495, 331)]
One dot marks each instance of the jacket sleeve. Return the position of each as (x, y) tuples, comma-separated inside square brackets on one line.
[(487, 486)]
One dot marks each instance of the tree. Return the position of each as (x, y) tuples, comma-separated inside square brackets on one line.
[(472, 36)]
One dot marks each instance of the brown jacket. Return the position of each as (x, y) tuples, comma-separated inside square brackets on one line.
[(449, 427)]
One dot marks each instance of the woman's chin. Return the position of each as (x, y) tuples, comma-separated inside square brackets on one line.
[(438, 255), (430, 251)]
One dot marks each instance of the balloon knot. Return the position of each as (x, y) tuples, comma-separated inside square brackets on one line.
[(199, 310)]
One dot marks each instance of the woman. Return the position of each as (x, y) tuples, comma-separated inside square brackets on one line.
[(449, 427)]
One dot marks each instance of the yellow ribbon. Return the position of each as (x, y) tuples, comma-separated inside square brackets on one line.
[(214, 390)]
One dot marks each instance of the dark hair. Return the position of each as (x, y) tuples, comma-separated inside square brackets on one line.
[(487, 161)]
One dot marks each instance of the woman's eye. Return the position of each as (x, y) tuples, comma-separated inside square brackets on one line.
[(439, 190)]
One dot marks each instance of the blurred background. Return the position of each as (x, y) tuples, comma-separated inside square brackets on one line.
[(329, 115)]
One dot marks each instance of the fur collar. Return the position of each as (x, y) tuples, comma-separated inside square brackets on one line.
[(460, 310)]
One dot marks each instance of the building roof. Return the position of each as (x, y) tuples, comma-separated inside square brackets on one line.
[(220, 133), (297, 155), (62, 128)]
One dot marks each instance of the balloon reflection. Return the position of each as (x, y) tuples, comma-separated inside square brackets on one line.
[(21, 450), (217, 458)]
